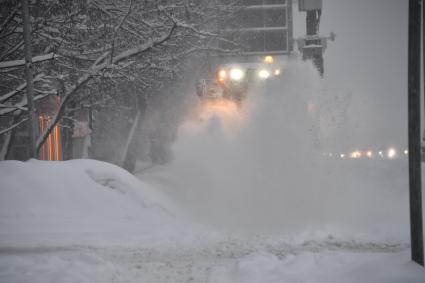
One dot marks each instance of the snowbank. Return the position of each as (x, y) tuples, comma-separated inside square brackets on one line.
[(77, 202), (88, 221)]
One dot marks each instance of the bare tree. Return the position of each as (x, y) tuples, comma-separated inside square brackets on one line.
[(80, 46)]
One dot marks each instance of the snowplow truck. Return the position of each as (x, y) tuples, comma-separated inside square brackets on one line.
[(261, 33)]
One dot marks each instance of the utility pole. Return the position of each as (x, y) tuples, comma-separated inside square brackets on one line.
[(32, 126), (414, 125)]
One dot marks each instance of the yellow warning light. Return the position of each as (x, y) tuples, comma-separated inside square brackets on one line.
[(268, 59), (222, 74)]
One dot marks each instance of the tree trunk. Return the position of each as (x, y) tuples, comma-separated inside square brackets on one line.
[(5, 147), (130, 153), (32, 122)]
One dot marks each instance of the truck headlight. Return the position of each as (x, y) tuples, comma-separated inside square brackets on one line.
[(236, 74), (264, 74)]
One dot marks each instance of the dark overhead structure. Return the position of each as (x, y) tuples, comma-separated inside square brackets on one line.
[(260, 27), (312, 46)]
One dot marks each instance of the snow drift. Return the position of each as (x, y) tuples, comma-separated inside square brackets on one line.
[(89, 221), (77, 202)]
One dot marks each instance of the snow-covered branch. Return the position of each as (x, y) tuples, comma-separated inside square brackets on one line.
[(20, 105), (9, 18), (103, 46), (144, 47), (36, 59), (93, 71), (182, 24), (4, 131), (11, 50), (118, 27), (19, 89)]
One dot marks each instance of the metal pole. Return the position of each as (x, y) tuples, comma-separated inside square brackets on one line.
[(423, 54), (414, 123), (32, 126)]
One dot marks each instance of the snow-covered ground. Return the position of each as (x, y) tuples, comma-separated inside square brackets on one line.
[(88, 221)]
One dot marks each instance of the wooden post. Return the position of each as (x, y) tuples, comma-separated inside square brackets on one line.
[(32, 122), (414, 124)]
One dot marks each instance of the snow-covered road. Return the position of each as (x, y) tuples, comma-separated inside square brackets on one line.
[(234, 260), (107, 226)]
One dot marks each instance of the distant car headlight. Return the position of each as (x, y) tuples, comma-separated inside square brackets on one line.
[(264, 74), (356, 154), (236, 74), (369, 154), (391, 153)]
